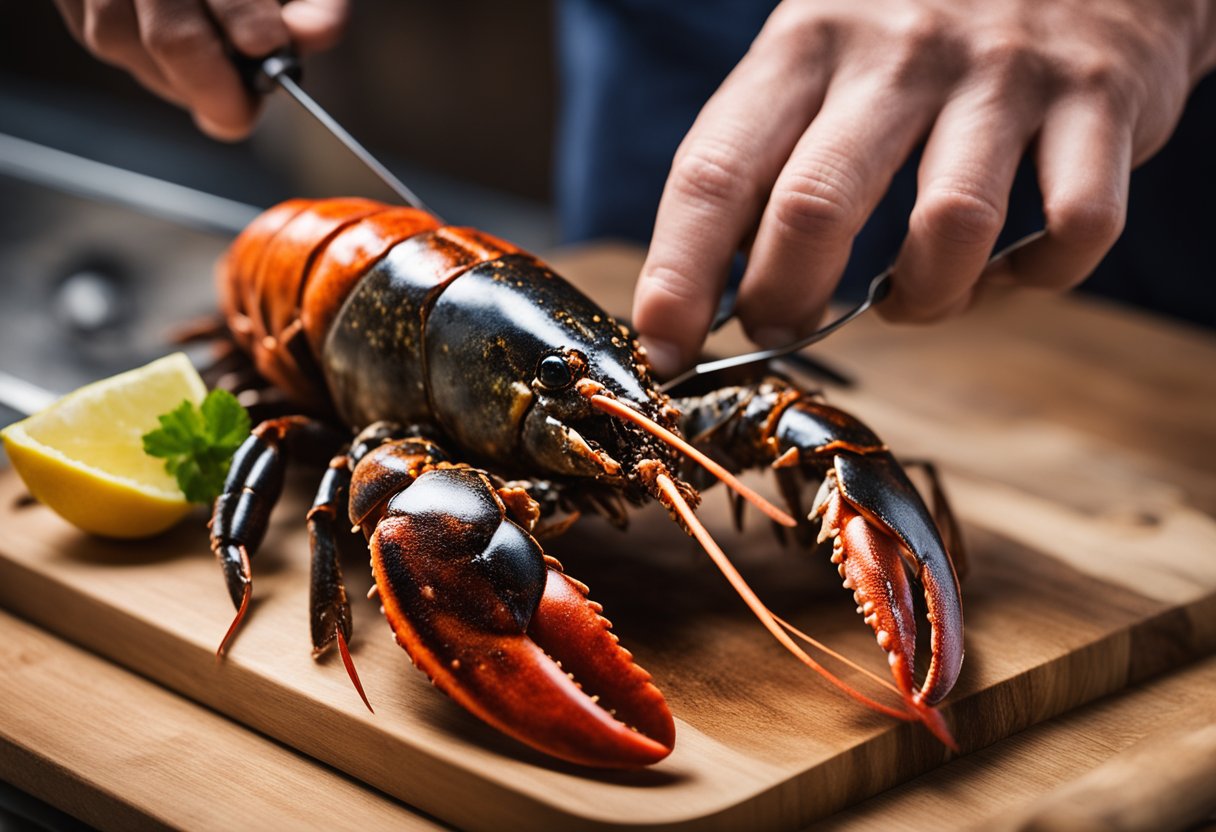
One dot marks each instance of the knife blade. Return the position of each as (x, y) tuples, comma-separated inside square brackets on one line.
[(282, 70), (23, 397)]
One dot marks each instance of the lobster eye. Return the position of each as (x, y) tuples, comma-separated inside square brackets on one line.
[(554, 373)]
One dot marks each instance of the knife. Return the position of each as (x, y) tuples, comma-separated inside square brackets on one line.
[(282, 70), (23, 397)]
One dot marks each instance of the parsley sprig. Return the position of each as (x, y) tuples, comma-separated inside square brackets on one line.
[(197, 443)]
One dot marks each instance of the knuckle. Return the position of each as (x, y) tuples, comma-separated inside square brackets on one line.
[(1102, 78), (708, 173), (919, 41), (665, 281), (1010, 56), (808, 214), (179, 38), (254, 26), (1095, 72), (1085, 221), (804, 30), (923, 29), (104, 31), (1003, 47), (960, 215), (817, 201)]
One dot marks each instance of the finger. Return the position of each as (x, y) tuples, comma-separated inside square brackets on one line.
[(187, 49), (835, 176), (254, 27), (316, 25), (1084, 160), (111, 32), (965, 175), (714, 194)]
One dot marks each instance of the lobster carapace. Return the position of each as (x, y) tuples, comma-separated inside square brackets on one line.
[(491, 403)]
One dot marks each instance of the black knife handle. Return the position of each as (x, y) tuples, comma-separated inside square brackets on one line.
[(260, 75)]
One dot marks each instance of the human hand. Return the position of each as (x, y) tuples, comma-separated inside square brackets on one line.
[(176, 48), (792, 153)]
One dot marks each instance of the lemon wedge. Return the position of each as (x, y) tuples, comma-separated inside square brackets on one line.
[(83, 455)]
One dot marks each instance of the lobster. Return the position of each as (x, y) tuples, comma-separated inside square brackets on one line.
[(490, 403)]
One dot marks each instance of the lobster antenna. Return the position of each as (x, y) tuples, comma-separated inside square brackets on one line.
[(621, 411), (838, 656), (676, 502)]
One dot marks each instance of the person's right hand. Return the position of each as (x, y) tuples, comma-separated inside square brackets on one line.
[(177, 48)]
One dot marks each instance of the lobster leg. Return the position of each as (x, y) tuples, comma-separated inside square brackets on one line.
[(251, 490), (329, 609), (492, 620)]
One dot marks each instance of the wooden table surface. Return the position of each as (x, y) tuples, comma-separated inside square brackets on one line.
[(1112, 420)]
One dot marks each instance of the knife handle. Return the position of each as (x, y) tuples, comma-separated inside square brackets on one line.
[(260, 75)]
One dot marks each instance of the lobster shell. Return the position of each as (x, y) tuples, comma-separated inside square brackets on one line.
[(287, 275)]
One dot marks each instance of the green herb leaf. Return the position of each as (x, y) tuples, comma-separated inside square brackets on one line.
[(197, 443)]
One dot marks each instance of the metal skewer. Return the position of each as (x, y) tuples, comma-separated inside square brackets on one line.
[(879, 288)]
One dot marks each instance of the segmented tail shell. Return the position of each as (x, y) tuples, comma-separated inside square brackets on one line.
[(286, 276)]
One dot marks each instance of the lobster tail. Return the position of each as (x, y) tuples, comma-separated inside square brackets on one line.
[(288, 274), (261, 282)]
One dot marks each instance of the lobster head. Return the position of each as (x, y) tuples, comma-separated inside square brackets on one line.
[(533, 353)]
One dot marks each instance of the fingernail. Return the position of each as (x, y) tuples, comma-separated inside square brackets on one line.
[(771, 337), (664, 356)]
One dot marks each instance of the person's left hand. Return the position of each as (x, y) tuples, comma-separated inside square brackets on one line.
[(797, 146)]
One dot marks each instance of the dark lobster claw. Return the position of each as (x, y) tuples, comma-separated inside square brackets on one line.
[(499, 628), (881, 525), (883, 538)]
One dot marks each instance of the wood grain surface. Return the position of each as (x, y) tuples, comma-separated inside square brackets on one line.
[(120, 752), (68, 738), (1077, 442)]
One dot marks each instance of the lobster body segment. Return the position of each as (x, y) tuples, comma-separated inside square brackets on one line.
[(492, 396), (374, 353)]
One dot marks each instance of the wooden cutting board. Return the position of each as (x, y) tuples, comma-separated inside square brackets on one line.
[(1078, 444)]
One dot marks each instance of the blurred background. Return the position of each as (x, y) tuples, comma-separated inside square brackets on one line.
[(97, 264)]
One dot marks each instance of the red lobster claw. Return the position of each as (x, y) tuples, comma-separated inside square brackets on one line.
[(498, 627), (884, 541), (880, 527)]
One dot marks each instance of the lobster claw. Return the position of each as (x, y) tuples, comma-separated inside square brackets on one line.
[(879, 526), (883, 537), (502, 630)]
